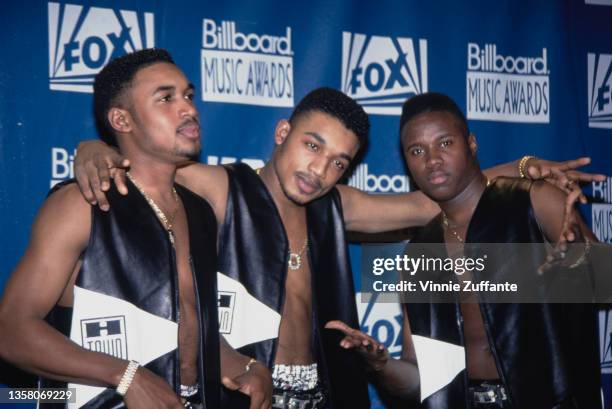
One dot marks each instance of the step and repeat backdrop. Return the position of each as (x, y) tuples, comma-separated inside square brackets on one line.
[(533, 77)]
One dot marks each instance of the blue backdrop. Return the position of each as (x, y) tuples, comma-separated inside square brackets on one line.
[(532, 76)]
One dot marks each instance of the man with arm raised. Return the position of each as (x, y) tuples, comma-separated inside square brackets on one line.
[(281, 235), (519, 351)]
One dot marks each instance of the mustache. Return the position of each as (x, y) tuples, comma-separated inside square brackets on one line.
[(193, 121), (312, 180)]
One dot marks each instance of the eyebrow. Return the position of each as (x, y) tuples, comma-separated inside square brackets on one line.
[(322, 141), (442, 136), (318, 137), (412, 145), (165, 88)]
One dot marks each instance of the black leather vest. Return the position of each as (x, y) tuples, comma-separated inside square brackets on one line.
[(546, 354), (254, 250), (129, 256)]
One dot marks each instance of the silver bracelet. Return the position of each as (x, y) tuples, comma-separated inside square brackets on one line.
[(127, 378)]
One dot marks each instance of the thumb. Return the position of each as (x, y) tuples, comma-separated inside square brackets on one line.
[(229, 383), (534, 172), (336, 324)]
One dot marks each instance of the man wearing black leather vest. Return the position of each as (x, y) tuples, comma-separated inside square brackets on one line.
[(517, 355), (282, 247), (133, 310)]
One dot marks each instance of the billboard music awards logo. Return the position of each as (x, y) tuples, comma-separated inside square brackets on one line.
[(382, 72), (246, 68), (507, 88), (600, 90), (602, 212), (83, 39), (362, 179), (106, 335)]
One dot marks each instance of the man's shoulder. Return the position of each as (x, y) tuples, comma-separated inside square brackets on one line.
[(65, 215), (207, 181), (68, 197), (200, 170)]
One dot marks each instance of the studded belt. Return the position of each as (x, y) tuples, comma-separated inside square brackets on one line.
[(311, 399), (487, 392)]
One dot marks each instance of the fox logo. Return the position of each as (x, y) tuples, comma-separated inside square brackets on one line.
[(83, 39), (382, 72)]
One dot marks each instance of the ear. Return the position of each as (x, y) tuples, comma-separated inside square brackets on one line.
[(119, 119), (283, 128), (472, 144)]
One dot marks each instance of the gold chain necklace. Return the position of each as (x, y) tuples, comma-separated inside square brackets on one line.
[(295, 258), (167, 223), (447, 226)]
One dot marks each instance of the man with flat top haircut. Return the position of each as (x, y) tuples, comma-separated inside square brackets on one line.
[(282, 237), (118, 304), (528, 355)]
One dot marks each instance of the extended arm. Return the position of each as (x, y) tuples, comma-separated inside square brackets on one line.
[(400, 377), (370, 213)]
